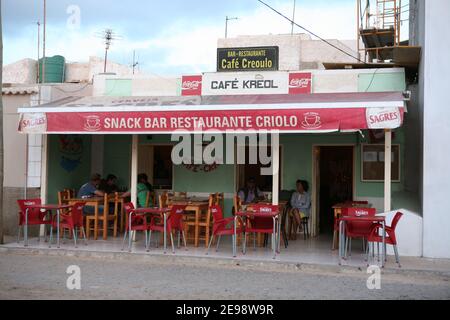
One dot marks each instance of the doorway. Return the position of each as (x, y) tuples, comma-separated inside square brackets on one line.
[(156, 162), (334, 182)]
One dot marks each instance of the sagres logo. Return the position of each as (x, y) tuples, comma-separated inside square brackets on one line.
[(92, 124), (383, 118)]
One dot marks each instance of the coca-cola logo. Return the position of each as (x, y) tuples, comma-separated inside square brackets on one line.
[(191, 85), (299, 83)]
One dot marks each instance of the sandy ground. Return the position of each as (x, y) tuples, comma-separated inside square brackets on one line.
[(44, 277)]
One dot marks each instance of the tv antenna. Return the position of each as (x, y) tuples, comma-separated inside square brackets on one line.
[(109, 37)]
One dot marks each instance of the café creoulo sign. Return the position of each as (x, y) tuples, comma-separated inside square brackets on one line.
[(247, 59)]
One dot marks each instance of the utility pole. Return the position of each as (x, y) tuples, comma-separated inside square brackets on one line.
[(108, 36), (226, 24), (293, 18), (135, 63), (38, 79), (44, 36), (1, 131)]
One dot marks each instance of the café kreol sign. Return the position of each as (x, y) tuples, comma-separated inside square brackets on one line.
[(248, 59)]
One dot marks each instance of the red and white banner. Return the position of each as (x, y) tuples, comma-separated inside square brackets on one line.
[(247, 83), (284, 120)]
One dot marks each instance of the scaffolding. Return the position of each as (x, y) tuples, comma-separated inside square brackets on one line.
[(379, 28)]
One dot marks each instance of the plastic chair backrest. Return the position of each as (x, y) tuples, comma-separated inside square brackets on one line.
[(216, 212), (77, 213), (23, 204), (396, 220), (176, 217)]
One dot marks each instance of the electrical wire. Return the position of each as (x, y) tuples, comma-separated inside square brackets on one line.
[(310, 32)]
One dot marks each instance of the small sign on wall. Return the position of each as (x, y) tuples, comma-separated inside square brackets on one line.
[(372, 165)]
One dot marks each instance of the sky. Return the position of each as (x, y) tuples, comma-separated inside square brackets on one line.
[(170, 37)]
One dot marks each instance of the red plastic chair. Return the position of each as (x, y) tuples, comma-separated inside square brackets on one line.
[(134, 223), (391, 238), (35, 216), (260, 224), (174, 223), (357, 229), (72, 221), (222, 226)]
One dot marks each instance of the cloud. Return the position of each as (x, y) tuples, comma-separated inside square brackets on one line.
[(183, 45)]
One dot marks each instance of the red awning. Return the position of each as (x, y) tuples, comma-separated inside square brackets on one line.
[(287, 113)]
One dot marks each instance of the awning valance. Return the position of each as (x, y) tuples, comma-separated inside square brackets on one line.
[(286, 113)]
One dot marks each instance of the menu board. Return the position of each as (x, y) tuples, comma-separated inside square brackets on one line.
[(372, 166)]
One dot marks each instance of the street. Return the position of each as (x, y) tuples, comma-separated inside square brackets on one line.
[(45, 277)]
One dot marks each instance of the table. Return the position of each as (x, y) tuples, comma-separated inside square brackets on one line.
[(337, 214), (153, 211), (196, 205), (45, 207), (376, 219), (281, 207), (276, 228), (91, 202)]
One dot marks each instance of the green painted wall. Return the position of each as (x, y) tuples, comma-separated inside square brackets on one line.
[(117, 158), (381, 82), (68, 167), (118, 87)]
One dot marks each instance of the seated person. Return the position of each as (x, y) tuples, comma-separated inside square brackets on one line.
[(109, 185), (251, 193), (90, 189), (301, 202), (143, 187)]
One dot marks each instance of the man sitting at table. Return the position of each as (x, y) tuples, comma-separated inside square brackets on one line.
[(301, 202), (143, 187), (109, 185), (90, 189), (250, 193)]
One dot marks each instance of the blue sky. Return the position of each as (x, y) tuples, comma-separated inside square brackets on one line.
[(171, 37)]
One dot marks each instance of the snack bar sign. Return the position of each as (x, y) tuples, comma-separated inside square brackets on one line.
[(247, 59), (250, 83)]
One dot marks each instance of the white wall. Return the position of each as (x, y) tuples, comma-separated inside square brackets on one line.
[(436, 155)]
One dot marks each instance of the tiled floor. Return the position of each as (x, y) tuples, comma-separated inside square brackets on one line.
[(311, 251)]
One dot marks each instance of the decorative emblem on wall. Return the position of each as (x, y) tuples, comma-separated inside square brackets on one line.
[(71, 149)]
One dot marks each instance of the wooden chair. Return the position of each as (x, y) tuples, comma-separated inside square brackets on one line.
[(105, 217), (180, 194), (204, 224), (150, 200), (220, 200), (163, 200)]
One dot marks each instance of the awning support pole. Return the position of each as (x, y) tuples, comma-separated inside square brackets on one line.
[(387, 170), (134, 173), (134, 169), (44, 175), (275, 167)]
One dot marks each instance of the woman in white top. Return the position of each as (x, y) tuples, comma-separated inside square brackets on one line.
[(301, 201)]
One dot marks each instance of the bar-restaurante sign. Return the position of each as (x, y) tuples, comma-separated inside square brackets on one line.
[(248, 59)]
